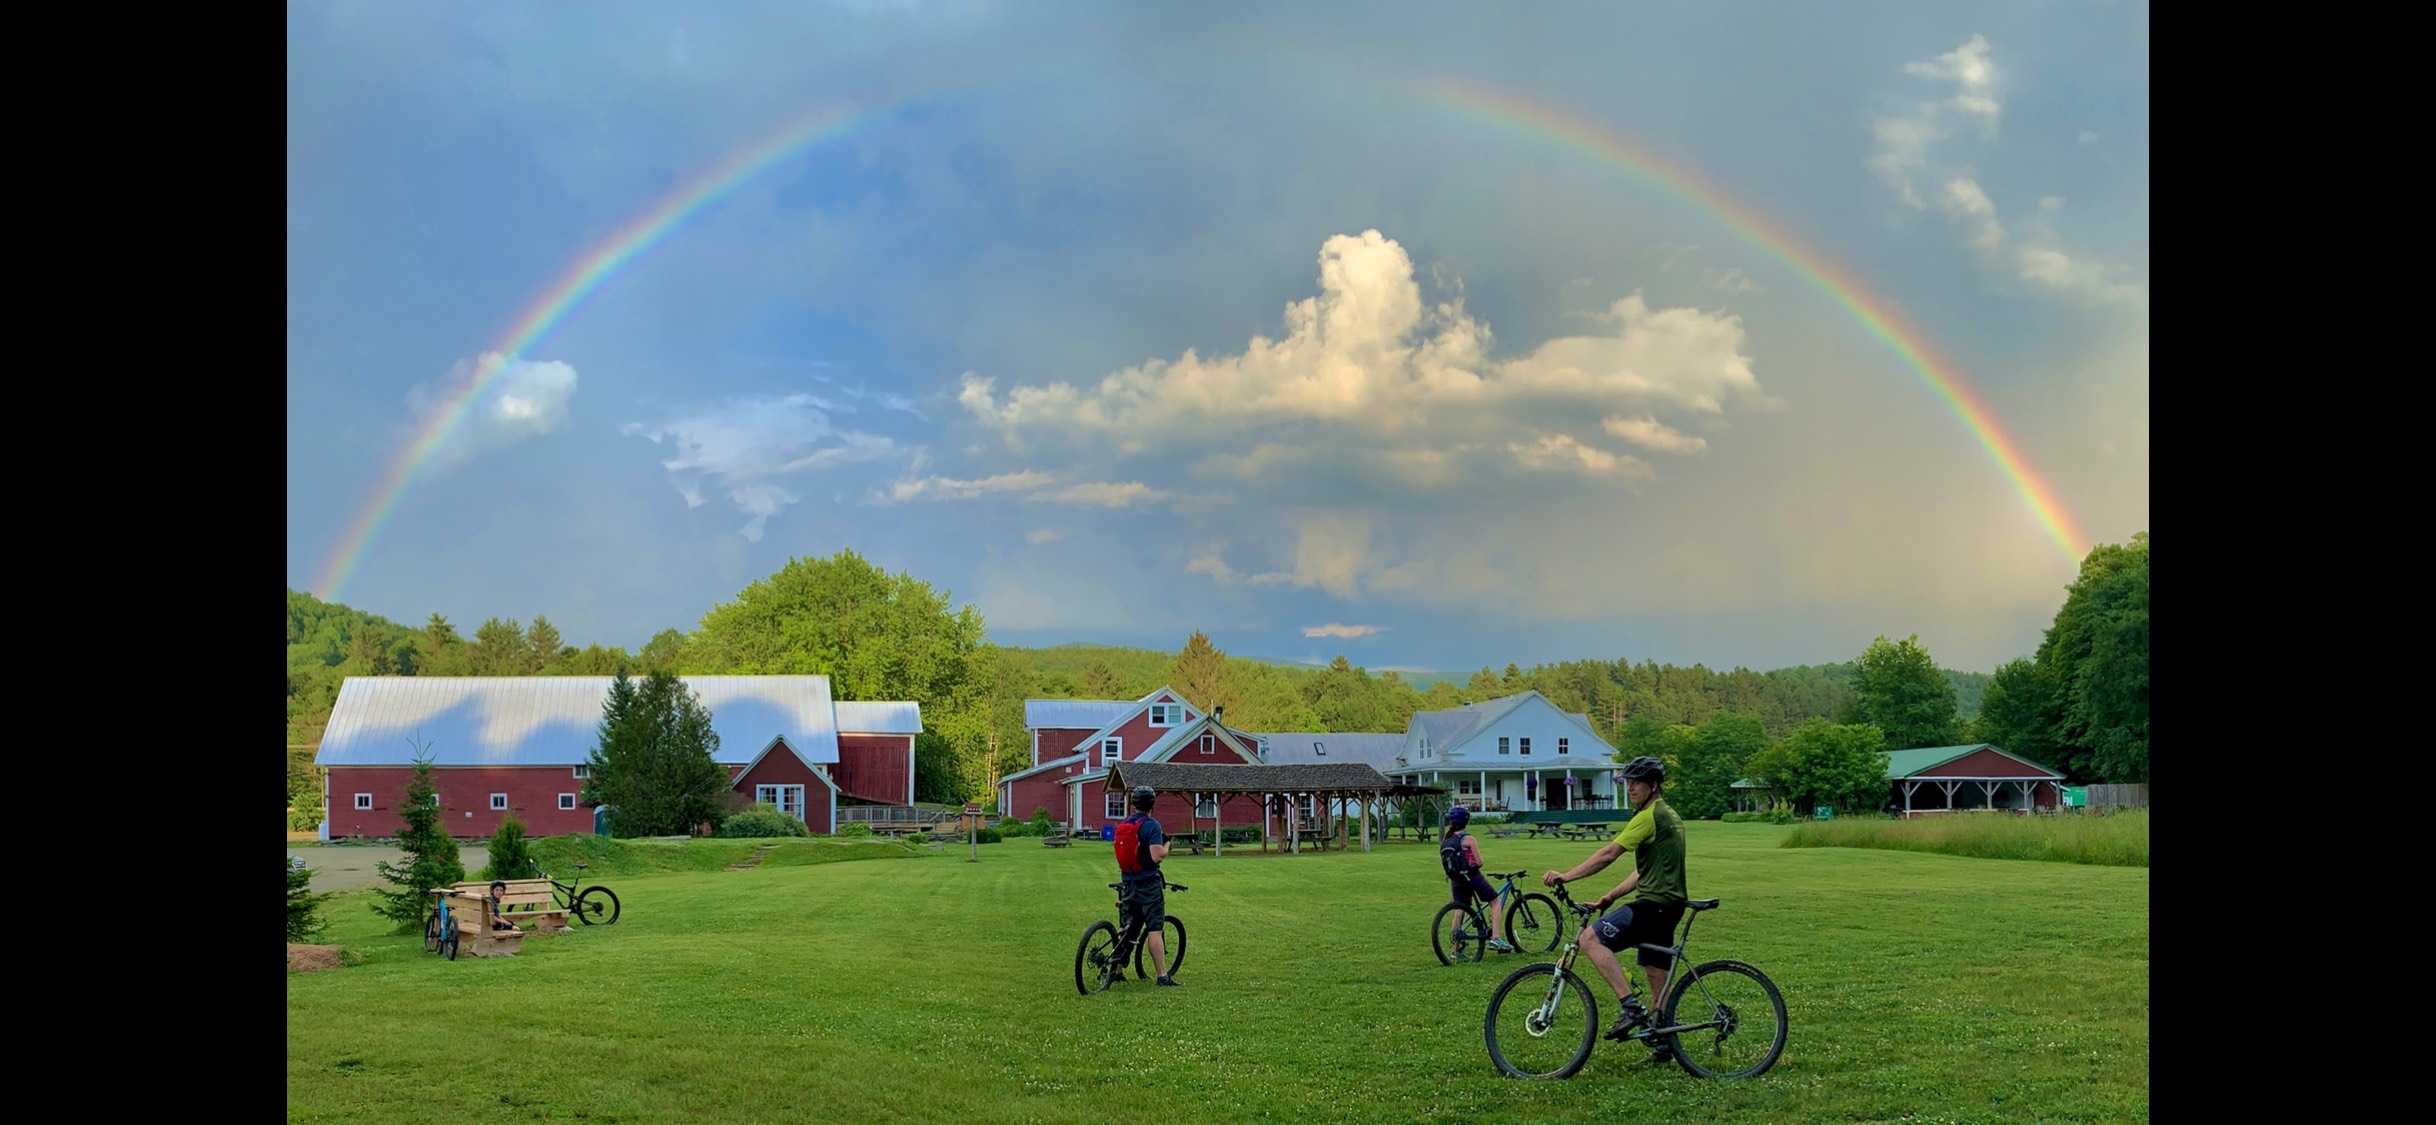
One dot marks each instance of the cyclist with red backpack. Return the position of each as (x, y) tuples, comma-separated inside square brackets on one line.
[(1140, 847), (1459, 855)]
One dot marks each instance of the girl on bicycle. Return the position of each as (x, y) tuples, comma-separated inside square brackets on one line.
[(1459, 855)]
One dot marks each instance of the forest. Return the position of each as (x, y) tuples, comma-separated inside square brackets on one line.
[(2078, 704)]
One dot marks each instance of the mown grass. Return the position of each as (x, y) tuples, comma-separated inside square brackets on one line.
[(2119, 840), (604, 857), (1921, 988)]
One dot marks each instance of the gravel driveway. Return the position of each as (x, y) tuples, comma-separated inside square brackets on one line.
[(338, 867)]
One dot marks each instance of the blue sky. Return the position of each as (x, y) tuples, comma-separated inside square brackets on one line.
[(1123, 320)]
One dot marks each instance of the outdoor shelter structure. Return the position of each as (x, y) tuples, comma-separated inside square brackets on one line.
[(1333, 784)]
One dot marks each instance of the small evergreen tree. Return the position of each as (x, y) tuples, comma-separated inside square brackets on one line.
[(304, 907), (655, 759), (431, 855), (510, 858)]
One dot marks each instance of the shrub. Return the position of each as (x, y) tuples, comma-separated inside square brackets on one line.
[(1013, 828), (854, 828), (1040, 822), (762, 821), (990, 836), (304, 907), (509, 858)]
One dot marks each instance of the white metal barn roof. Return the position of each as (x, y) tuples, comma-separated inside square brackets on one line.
[(552, 720)]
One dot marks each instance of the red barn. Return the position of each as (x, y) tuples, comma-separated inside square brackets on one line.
[(1075, 740), (502, 744)]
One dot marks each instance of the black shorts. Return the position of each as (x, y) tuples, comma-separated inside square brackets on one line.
[(1627, 926), (1146, 901)]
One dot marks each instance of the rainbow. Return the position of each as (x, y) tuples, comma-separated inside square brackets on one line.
[(1908, 341), (603, 261), (628, 243)]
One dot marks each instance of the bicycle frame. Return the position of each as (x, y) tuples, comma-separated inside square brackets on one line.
[(1564, 963)]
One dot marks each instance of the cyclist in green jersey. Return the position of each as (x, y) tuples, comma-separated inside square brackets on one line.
[(1654, 835)]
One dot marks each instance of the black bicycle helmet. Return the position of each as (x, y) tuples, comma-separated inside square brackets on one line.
[(1645, 768), (1144, 797)]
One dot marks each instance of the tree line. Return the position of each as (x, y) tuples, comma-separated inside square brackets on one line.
[(2079, 703)]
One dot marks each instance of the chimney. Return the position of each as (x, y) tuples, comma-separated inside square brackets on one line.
[(1218, 714)]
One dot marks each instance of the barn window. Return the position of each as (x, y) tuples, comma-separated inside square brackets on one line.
[(1163, 714), (566, 800), (1319, 749), (1209, 745), (1207, 806), (1116, 806), (1113, 750), (498, 802), (363, 801), (582, 772)]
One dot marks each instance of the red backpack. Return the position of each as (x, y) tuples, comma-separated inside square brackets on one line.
[(1132, 855)]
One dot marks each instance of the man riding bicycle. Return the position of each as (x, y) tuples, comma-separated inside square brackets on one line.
[(1142, 895), (1655, 836), (1459, 855)]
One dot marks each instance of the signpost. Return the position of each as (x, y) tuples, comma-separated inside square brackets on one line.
[(972, 831)]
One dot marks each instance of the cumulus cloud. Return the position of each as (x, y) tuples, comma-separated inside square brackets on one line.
[(2088, 137), (520, 399), (1732, 281), (1044, 535), (1369, 372), (1348, 631), (740, 446)]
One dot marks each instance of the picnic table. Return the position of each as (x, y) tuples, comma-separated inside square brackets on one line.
[(1545, 828)]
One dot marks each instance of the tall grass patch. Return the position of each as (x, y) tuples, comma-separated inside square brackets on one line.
[(2117, 840)]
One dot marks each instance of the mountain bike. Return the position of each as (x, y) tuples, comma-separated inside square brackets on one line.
[(595, 903), (440, 930), (1708, 1008), (1461, 932), (1100, 960)]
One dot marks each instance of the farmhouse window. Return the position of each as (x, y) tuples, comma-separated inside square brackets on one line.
[(566, 800), (1116, 806), (1526, 746), (363, 801), (1506, 745)]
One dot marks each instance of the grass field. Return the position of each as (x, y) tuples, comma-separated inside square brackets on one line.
[(1921, 988)]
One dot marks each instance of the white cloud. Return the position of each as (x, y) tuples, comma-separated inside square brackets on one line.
[(1732, 281), (1964, 201), (520, 399), (1044, 535), (2088, 138), (745, 442), (1371, 374), (1101, 494), (1903, 139), (1348, 631), (1650, 433), (1038, 486)]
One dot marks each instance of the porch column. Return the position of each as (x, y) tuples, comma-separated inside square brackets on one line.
[(1484, 789), (1908, 786), (1218, 832), (1365, 824)]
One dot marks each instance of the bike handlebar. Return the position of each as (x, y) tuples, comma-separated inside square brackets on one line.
[(1169, 886)]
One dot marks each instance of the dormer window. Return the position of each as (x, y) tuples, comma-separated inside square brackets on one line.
[(1319, 749), (1564, 746), (1165, 714)]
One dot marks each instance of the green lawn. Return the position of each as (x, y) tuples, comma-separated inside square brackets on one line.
[(1921, 988)]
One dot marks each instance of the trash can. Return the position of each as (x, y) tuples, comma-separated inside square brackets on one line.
[(1107, 833)]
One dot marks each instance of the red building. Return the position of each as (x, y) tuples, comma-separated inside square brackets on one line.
[(501, 745), (1075, 740)]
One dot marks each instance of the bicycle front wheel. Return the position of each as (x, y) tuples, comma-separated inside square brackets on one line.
[(1457, 936), (1542, 1023), (1737, 1020), (431, 933), (597, 905), (1533, 924), (1095, 966), (1172, 931)]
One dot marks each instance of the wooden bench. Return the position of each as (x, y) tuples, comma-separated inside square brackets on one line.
[(475, 935), (526, 900)]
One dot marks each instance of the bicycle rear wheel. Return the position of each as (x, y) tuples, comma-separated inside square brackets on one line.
[(1457, 936), (597, 905), (1533, 924), (1095, 964), (431, 933), (1172, 932), (1742, 1017), (1542, 1023)]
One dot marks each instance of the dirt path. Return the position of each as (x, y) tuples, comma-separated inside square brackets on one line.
[(338, 867)]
